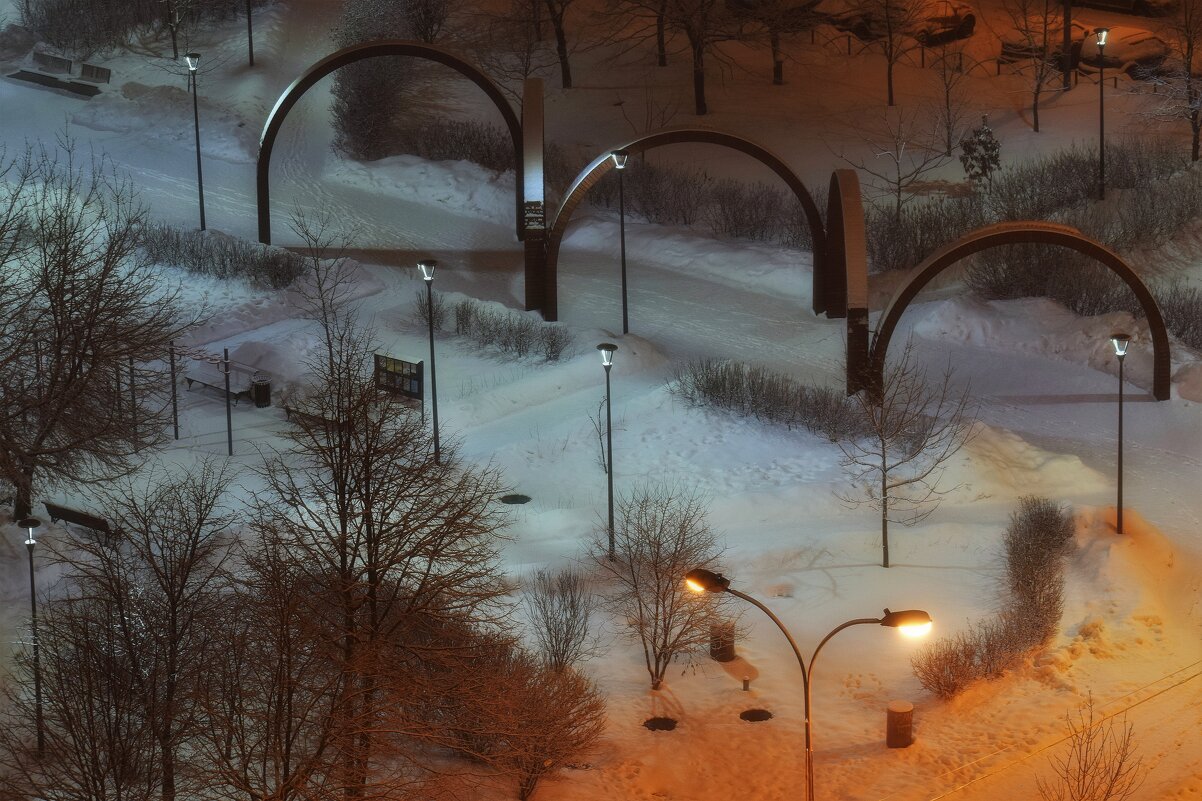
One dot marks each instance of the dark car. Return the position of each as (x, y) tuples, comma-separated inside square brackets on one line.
[(1135, 51), (1026, 43)]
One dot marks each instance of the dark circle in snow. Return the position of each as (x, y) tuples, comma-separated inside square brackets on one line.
[(660, 724), (515, 499), (755, 715)]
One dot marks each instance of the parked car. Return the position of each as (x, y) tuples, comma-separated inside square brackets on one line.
[(938, 20), (1148, 8), (1023, 43), (1135, 51)]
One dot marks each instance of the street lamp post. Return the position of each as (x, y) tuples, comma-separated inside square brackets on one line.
[(427, 267), (1120, 342), (619, 157), (607, 361), (911, 622), (193, 60), (1101, 34), (29, 524)]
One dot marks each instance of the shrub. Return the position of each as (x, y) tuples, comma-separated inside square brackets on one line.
[(421, 307), (1181, 306), (451, 140), (766, 395), (1036, 541), (510, 332), (222, 256)]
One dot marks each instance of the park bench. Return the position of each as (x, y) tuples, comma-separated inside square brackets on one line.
[(55, 72), (307, 420), (85, 519), (208, 374)]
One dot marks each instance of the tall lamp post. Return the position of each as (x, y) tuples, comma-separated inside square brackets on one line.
[(193, 60), (1120, 342), (619, 157), (29, 524), (1101, 34), (427, 267), (607, 361), (910, 622)]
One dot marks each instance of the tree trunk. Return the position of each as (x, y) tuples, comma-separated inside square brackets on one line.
[(889, 78), (778, 59), (1035, 110), (167, 765), (884, 509), (661, 37), (699, 80), (561, 48)]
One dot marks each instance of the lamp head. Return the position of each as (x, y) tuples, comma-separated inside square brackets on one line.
[(29, 524), (1120, 342), (910, 622), (607, 353), (619, 157), (427, 266), (193, 60), (701, 580), (1101, 34)]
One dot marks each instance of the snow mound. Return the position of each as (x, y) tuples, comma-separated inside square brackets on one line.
[(459, 187), (1004, 464)]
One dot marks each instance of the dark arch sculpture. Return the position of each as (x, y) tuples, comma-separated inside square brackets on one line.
[(349, 55), (846, 269), (547, 300), (1011, 233)]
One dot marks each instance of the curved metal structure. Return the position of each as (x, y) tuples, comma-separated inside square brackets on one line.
[(547, 300), (845, 277), (359, 52), (1011, 233)]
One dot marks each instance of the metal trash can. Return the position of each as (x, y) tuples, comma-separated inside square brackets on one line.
[(899, 725), (260, 390)]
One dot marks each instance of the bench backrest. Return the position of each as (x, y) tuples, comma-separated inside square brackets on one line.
[(57, 512), (90, 72), (241, 375), (51, 63)]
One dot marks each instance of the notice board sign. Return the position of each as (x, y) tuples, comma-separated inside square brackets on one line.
[(400, 377)]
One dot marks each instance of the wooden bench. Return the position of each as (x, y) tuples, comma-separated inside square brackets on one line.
[(94, 522), (242, 378)]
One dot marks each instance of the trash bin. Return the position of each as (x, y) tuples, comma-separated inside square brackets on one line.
[(260, 390), (899, 726)]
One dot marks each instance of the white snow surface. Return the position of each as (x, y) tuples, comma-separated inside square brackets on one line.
[(1045, 381)]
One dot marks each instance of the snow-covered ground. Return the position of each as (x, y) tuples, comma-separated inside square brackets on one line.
[(1044, 380)]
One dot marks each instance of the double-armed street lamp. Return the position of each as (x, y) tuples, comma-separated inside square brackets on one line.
[(427, 267), (620, 157), (1120, 342), (1101, 34), (607, 361), (910, 622), (193, 60), (29, 524)]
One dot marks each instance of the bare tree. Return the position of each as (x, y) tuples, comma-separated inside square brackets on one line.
[(637, 21), (507, 41), (891, 25), (777, 19), (560, 606), (99, 745), (381, 531), (1039, 25), (86, 321), (557, 11), (1101, 764), (952, 103), (661, 534), (1179, 95), (906, 146), (270, 700), (427, 18), (915, 428), (705, 24)]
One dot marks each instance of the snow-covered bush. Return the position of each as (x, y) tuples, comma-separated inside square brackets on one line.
[(421, 309), (1036, 541), (560, 607), (1181, 306), (221, 256), (488, 145), (757, 392), (508, 331)]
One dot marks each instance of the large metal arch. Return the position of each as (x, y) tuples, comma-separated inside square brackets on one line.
[(359, 52), (1011, 233), (846, 274), (547, 301)]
